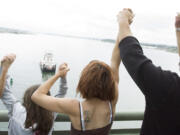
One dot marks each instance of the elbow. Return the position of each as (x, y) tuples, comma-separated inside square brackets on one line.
[(33, 97), (36, 96), (117, 80), (116, 75)]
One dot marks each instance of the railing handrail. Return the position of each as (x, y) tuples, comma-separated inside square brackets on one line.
[(120, 116)]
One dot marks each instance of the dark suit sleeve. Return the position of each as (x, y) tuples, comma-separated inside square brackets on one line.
[(155, 83)]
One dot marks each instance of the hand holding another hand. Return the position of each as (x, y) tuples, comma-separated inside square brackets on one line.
[(63, 69), (125, 16)]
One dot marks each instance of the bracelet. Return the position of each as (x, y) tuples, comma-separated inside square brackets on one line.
[(177, 29)]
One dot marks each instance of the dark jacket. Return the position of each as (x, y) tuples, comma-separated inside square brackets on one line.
[(160, 88)]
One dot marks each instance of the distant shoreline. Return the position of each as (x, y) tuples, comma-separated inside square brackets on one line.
[(168, 48)]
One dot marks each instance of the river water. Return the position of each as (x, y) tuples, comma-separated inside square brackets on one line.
[(77, 52)]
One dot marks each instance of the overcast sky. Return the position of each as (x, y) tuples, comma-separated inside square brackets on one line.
[(153, 23)]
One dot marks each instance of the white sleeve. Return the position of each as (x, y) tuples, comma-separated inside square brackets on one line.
[(8, 98), (62, 88), (62, 91)]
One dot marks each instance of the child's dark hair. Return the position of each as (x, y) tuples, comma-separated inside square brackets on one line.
[(42, 118)]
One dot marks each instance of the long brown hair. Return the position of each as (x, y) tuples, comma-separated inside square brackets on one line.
[(36, 114), (97, 81)]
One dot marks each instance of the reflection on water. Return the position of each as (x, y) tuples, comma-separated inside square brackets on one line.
[(29, 49), (46, 75)]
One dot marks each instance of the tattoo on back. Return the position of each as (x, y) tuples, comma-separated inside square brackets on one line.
[(87, 116)]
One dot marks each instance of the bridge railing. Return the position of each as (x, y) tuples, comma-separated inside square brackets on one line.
[(120, 116)]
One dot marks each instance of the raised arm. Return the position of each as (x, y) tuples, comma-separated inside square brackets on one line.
[(124, 19), (7, 97), (2, 80), (156, 84), (54, 104), (5, 64), (127, 16), (177, 26), (115, 60)]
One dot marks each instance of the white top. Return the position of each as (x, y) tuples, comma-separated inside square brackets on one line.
[(17, 112)]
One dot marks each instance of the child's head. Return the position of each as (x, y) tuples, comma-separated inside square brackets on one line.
[(38, 118)]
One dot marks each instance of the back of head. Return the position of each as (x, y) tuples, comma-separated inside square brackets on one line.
[(97, 81), (42, 118)]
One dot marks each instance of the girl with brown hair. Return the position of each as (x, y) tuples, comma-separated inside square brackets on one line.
[(27, 118)]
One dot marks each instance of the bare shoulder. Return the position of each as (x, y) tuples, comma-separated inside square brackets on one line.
[(69, 106)]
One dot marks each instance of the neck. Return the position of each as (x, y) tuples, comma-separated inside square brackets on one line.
[(93, 100)]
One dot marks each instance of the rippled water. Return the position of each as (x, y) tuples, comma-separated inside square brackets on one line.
[(77, 53)]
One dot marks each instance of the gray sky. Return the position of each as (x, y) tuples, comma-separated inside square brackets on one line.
[(153, 23)]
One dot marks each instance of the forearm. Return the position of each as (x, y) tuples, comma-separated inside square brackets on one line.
[(2, 81), (46, 86), (62, 88), (124, 30), (178, 40), (116, 59)]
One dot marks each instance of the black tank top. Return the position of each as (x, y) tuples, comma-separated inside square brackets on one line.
[(99, 131)]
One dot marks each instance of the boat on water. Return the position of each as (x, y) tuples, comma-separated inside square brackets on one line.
[(47, 64)]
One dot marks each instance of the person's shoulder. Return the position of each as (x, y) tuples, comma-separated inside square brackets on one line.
[(18, 109), (74, 102), (129, 39), (16, 126)]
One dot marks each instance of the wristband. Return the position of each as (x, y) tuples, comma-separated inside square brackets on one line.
[(178, 29)]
